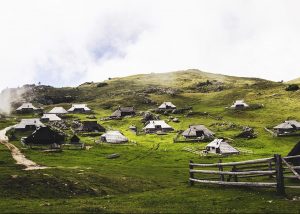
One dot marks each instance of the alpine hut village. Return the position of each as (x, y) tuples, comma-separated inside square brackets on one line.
[(103, 145), (137, 106)]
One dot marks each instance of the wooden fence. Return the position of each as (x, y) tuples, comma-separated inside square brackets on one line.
[(273, 171)]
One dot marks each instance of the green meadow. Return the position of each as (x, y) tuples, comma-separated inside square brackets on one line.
[(151, 174)]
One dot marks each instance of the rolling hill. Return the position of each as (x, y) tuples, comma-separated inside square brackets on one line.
[(151, 174), (295, 81)]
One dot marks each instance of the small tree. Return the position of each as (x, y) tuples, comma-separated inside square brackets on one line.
[(11, 134)]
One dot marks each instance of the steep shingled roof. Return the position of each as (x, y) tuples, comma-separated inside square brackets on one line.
[(192, 131), (50, 117), (114, 137), (153, 123), (27, 106), (123, 110), (45, 136), (289, 124), (91, 126), (166, 105), (223, 146), (29, 122), (79, 106), (58, 110)]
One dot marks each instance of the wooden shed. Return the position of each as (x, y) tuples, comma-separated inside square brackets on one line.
[(220, 146)]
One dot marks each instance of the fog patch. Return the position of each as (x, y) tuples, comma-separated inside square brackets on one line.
[(8, 97)]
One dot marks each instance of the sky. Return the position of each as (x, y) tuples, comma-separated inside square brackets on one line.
[(67, 42)]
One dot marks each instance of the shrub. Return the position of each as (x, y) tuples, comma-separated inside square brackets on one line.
[(293, 87), (11, 134), (101, 84)]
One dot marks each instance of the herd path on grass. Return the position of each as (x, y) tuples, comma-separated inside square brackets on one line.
[(17, 154)]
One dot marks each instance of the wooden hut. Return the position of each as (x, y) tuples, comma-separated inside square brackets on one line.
[(27, 108), (239, 104), (79, 108), (44, 136), (123, 112), (198, 132), (50, 118), (157, 126), (221, 147), (29, 124), (166, 106), (114, 137), (90, 126), (287, 127), (58, 111)]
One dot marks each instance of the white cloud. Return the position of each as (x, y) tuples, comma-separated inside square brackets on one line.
[(67, 42)]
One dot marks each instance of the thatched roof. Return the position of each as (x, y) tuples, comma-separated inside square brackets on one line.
[(58, 110), (192, 131)]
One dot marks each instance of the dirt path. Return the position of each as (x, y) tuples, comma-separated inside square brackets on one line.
[(17, 154)]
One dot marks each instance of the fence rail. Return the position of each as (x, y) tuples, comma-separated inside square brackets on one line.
[(264, 160), (271, 168)]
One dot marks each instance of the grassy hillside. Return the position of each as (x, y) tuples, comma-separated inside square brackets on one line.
[(295, 81), (151, 175)]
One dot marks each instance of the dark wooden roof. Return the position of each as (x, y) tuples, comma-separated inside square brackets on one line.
[(45, 136), (91, 126)]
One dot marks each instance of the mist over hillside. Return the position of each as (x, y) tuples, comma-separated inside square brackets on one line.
[(134, 89)]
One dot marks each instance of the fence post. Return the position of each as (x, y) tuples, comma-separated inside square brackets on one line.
[(234, 169), (191, 173), (270, 168), (221, 169), (279, 175)]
